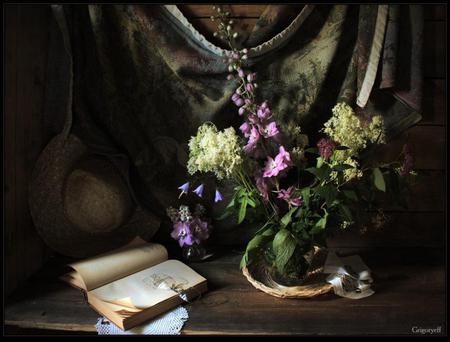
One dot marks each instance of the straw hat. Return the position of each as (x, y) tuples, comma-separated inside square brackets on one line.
[(80, 203)]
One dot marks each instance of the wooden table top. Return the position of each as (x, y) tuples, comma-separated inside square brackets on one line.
[(407, 295)]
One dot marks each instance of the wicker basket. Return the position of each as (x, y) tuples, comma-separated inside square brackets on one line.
[(313, 285)]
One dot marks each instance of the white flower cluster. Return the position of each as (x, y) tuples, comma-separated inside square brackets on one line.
[(214, 151), (346, 128)]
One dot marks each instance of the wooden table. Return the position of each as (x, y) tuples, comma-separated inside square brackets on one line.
[(408, 295)]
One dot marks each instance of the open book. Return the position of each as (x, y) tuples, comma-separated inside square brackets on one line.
[(135, 283)]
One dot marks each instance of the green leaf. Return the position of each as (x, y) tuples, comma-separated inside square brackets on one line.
[(378, 179), (328, 193), (287, 218), (350, 194), (251, 202), (320, 224), (244, 261), (224, 215), (346, 213), (319, 162), (321, 173), (283, 245), (242, 211), (254, 243), (231, 204), (313, 150), (305, 195)]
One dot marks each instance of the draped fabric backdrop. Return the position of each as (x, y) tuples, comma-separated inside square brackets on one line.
[(144, 78)]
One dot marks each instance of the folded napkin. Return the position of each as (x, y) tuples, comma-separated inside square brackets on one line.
[(350, 277), (170, 323)]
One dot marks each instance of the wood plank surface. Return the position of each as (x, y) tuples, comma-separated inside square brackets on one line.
[(205, 11), (433, 12), (427, 143), (25, 120), (434, 98), (11, 18), (407, 294), (434, 50)]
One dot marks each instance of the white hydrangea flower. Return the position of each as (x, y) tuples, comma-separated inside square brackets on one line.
[(214, 151)]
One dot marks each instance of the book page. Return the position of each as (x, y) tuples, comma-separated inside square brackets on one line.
[(150, 286), (108, 267)]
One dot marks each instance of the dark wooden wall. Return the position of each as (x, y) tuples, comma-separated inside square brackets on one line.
[(27, 132)]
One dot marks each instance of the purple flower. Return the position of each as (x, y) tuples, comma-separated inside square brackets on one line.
[(252, 140), (241, 73), (235, 97), (230, 77), (408, 162), (182, 233), (245, 129), (253, 119), (199, 190), (262, 185), (264, 105), (284, 154), (251, 77), (199, 229), (236, 55), (218, 196), (269, 130), (274, 166), (250, 87), (263, 113), (248, 102), (287, 196), (184, 189), (239, 102), (326, 147), (241, 110)]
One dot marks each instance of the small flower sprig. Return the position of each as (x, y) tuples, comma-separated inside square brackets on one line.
[(189, 229), (225, 25), (198, 191)]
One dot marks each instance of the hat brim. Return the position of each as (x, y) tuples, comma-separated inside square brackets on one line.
[(47, 209)]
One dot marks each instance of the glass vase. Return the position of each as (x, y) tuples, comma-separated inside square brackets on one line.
[(195, 253)]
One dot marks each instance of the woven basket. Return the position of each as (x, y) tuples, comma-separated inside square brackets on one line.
[(313, 285)]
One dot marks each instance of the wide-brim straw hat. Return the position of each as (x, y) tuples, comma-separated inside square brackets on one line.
[(80, 202)]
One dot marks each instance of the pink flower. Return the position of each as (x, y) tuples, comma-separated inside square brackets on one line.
[(251, 77), (269, 130), (239, 102), (326, 147), (199, 229), (250, 87), (245, 129), (408, 162), (263, 113), (283, 154), (252, 141), (241, 110), (287, 196), (274, 166), (262, 185), (235, 97)]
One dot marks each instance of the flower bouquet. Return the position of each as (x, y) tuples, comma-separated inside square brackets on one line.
[(299, 190)]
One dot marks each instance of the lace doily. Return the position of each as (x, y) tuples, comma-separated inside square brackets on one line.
[(170, 323)]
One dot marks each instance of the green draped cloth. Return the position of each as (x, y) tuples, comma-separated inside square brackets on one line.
[(144, 78)]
